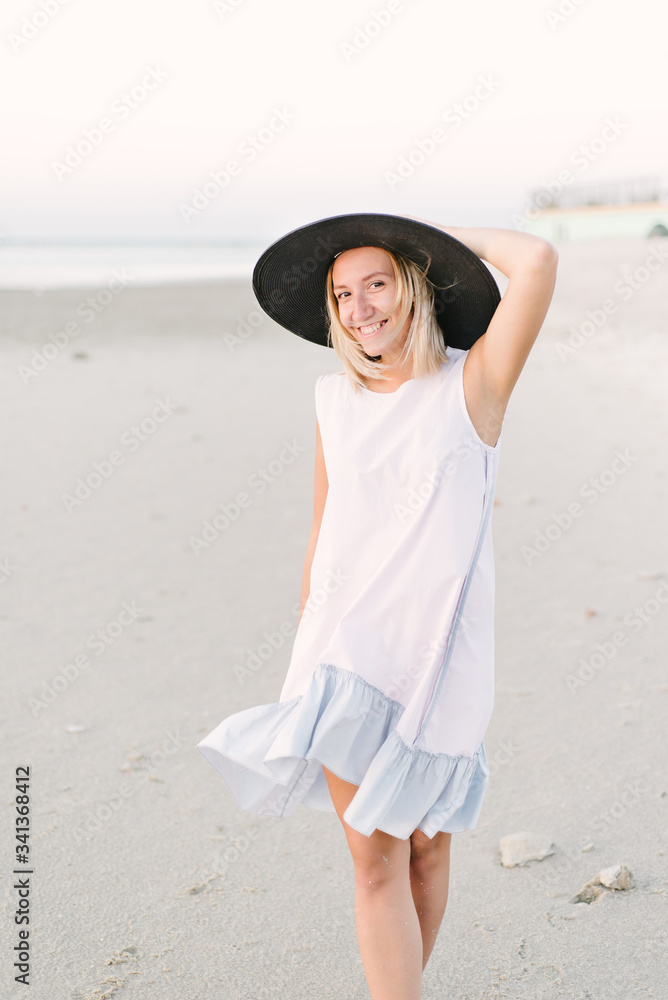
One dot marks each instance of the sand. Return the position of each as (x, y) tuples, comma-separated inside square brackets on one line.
[(148, 880)]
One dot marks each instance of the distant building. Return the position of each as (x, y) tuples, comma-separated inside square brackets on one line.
[(637, 207)]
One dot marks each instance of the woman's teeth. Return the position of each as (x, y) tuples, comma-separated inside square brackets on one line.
[(366, 331)]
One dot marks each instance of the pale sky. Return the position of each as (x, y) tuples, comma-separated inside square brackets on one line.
[(333, 94)]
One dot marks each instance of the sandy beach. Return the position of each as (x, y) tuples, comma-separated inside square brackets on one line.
[(130, 423)]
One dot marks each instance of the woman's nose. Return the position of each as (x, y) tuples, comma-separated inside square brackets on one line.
[(362, 310)]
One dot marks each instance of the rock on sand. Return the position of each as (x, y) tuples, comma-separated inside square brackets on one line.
[(519, 848)]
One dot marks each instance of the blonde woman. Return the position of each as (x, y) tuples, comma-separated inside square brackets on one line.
[(390, 685)]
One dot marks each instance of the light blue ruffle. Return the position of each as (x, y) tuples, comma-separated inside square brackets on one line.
[(270, 756)]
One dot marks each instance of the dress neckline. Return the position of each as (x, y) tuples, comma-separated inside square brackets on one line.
[(374, 392)]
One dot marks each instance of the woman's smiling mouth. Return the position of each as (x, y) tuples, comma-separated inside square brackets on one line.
[(368, 331)]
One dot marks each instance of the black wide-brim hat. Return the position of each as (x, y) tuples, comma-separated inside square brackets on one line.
[(289, 279)]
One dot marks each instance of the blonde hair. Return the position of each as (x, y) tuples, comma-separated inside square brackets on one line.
[(425, 342)]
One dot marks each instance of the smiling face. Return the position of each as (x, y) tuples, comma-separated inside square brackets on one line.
[(365, 290)]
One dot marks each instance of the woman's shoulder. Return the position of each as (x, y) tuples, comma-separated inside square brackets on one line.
[(331, 382), (329, 375), (327, 385), (454, 359)]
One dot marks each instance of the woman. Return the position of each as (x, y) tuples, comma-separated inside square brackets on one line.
[(390, 685)]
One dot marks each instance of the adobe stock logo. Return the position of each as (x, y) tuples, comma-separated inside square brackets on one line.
[(454, 117), (121, 109), (365, 33), (595, 487), (247, 151), (258, 481), (32, 25)]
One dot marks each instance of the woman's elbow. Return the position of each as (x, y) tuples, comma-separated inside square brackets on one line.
[(545, 256)]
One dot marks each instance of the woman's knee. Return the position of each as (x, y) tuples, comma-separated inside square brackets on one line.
[(429, 853), (378, 859)]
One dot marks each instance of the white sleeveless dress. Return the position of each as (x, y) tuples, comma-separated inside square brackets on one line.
[(391, 680)]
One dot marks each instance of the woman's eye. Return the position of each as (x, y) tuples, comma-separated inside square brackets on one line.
[(378, 282)]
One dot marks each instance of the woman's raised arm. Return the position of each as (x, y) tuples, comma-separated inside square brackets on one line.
[(497, 358), (530, 264)]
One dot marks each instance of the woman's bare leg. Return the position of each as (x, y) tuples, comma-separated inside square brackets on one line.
[(388, 929), (430, 876)]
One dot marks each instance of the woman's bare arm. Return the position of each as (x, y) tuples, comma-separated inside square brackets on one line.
[(320, 488), (497, 358)]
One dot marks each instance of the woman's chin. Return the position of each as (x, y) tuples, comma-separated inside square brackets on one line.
[(374, 346), (371, 352)]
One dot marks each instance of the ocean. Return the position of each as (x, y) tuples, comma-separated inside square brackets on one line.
[(42, 266)]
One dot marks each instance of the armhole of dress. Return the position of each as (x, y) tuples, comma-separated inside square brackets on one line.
[(492, 448), (317, 400)]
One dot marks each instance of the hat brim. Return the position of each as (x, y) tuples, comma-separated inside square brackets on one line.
[(289, 279)]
